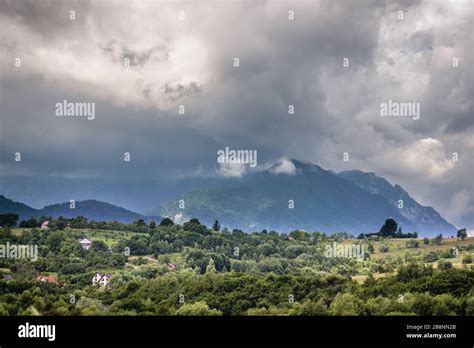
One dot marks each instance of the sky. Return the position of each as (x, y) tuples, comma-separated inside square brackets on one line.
[(335, 61)]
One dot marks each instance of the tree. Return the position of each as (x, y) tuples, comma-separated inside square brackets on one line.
[(426, 241), (389, 228), (308, 308), (345, 304), (98, 246), (413, 270), (8, 220), (216, 226), (437, 240), (166, 222), (30, 223), (152, 224), (361, 236), (54, 241), (370, 248), (140, 223), (211, 267), (194, 225), (423, 304), (6, 235), (199, 308), (462, 234)]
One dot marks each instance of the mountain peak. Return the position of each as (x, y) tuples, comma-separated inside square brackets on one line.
[(286, 166), (291, 166)]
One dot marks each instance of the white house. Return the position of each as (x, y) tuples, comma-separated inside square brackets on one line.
[(86, 243), (45, 225), (101, 279)]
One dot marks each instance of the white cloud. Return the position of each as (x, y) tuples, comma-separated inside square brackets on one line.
[(422, 159), (284, 166), (168, 61), (232, 169)]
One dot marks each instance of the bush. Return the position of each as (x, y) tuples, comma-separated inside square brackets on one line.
[(438, 239), (308, 308), (198, 308), (467, 259), (345, 304), (444, 265), (431, 256)]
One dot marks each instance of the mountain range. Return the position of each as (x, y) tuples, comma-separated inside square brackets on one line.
[(91, 209), (289, 195), (294, 194)]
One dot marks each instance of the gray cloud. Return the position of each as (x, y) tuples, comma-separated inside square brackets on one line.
[(282, 62)]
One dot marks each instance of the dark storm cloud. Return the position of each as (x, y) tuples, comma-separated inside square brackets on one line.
[(191, 62)]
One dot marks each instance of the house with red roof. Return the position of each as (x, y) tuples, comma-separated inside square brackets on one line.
[(47, 278)]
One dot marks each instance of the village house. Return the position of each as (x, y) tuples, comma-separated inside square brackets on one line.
[(101, 279), (86, 243), (45, 225), (50, 278)]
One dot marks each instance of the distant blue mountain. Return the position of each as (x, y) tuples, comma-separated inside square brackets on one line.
[(351, 201), (423, 219), (91, 209), (325, 201)]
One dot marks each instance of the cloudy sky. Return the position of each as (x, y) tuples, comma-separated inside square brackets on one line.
[(138, 61)]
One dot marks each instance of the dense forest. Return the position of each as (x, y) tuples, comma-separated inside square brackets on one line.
[(191, 269)]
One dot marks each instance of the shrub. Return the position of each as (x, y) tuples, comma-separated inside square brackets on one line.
[(444, 265), (431, 256), (198, 308), (467, 259)]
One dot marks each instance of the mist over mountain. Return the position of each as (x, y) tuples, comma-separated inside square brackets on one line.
[(289, 195), (293, 194), (142, 196)]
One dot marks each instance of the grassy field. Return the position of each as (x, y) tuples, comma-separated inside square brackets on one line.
[(397, 247)]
